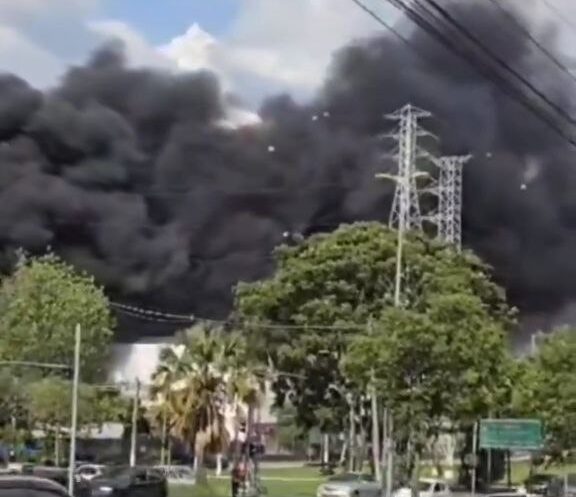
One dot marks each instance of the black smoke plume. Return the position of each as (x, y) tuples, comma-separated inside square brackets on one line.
[(130, 174)]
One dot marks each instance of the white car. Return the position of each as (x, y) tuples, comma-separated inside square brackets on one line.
[(89, 471), (349, 485), (427, 487)]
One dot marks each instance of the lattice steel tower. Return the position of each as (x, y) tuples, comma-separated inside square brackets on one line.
[(450, 199), (405, 212)]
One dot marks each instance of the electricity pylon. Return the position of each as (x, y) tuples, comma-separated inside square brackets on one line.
[(405, 212), (450, 199)]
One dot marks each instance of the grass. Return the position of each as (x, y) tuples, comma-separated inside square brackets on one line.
[(298, 473), (521, 469), (221, 488), (303, 481), (279, 482)]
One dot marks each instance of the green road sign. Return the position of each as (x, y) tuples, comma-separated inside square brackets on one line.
[(511, 434)]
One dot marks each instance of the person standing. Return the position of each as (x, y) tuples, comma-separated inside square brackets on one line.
[(238, 477)]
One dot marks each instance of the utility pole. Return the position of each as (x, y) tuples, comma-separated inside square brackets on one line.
[(450, 199), (134, 433), (164, 432), (390, 452), (474, 457), (373, 393), (375, 430), (74, 421), (405, 215)]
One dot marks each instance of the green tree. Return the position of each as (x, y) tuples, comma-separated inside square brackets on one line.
[(40, 305), (9, 395), (199, 391), (194, 386), (49, 406), (547, 390), (441, 367), (346, 280), (290, 436)]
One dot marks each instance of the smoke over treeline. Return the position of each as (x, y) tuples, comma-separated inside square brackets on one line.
[(130, 174)]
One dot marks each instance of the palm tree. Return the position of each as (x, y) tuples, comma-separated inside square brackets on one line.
[(197, 385), (163, 379), (198, 396), (246, 386)]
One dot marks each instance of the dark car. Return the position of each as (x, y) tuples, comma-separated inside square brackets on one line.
[(123, 481), (30, 486), (58, 475), (538, 484)]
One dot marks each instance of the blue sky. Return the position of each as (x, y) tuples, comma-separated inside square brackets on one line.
[(161, 20), (256, 47)]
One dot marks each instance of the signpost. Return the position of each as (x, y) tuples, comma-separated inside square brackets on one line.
[(511, 434)]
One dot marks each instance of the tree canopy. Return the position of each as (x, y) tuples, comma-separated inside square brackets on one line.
[(50, 402), (40, 306), (547, 389), (345, 280)]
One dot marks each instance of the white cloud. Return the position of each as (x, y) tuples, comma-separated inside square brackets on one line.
[(287, 45), (26, 59), (281, 45), (35, 37), (193, 50), (138, 50)]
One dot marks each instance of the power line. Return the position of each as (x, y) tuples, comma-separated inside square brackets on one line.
[(520, 27), (152, 312), (192, 319), (382, 22), (487, 72), (559, 14), (143, 317), (62, 220), (500, 62)]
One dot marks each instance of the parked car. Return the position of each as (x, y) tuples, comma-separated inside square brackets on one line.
[(177, 475), (30, 486), (123, 481), (58, 475), (427, 487), (349, 485), (89, 471)]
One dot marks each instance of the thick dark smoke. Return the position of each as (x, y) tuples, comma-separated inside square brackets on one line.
[(130, 174)]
